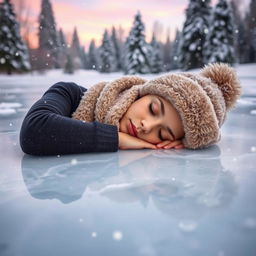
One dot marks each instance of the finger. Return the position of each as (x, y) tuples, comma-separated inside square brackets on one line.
[(151, 146), (172, 144), (144, 144), (163, 143)]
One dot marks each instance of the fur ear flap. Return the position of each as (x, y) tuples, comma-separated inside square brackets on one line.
[(226, 79)]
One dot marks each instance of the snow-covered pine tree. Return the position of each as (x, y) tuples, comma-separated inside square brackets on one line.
[(192, 39), (69, 66), (62, 39), (120, 36), (106, 55), (241, 46), (167, 53), (92, 56), (250, 22), (84, 58), (174, 50), (220, 40), (137, 50), (75, 50), (117, 51), (13, 51), (156, 59), (48, 41), (62, 45)]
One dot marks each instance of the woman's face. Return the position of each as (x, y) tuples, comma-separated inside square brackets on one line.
[(155, 120)]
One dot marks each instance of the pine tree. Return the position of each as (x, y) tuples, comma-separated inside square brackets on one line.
[(63, 42), (76, 53), (137, 50), (92, 56), (117, 51), (156, 58), (48, 41), (69, 66), (13, 51), (84, 58), (250, 22), (241, 46), (167, 48), (193, 34), (221, 38), (76, 50), (121, 40), (174, 50), (107, 60), (62, 48)]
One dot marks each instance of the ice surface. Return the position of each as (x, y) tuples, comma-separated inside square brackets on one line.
[(132, 202)]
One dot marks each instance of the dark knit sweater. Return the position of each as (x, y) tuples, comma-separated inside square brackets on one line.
[(48, 128)]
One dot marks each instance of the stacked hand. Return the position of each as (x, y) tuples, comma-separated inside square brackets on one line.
[(127, 141)]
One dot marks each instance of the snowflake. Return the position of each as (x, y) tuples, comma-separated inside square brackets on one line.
[(94, 234), (74, 161), (117, 235)]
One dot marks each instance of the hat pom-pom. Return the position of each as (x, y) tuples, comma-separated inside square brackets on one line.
[(226, 79)]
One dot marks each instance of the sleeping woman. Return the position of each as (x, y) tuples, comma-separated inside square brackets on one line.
[(179, 110)]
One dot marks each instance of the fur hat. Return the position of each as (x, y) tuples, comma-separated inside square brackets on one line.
[(202, 100)]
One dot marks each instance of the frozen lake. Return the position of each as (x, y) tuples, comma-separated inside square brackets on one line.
[(132, 202)]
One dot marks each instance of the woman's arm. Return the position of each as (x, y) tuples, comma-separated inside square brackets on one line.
[(48, 128)]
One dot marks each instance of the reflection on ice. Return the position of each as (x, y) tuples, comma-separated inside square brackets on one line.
[(59, 178), (172, 180)]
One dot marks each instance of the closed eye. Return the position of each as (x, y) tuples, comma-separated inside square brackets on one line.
[(152, 112), (151, 109)]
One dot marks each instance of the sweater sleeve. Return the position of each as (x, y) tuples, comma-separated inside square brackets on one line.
[(48, 128)]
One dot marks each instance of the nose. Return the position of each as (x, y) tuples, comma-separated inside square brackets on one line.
[(148, 125)]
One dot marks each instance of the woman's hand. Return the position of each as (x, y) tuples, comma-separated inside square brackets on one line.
[(127, 141), (167, 144)]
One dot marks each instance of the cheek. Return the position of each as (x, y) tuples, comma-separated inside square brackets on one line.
[(135, 112)]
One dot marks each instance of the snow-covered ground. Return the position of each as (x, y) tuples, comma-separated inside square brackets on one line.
[(134, 202)]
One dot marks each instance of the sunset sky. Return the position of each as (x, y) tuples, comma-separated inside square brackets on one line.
[(91, 17)]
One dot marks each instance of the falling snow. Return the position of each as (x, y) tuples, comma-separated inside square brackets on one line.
[(117, 235)]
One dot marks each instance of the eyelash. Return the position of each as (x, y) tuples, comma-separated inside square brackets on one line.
[(151, 109), (152, 112)]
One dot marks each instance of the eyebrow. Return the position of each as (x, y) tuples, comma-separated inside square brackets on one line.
[(163, 112)]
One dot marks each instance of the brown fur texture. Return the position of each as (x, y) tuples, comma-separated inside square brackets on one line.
[(202, 100)]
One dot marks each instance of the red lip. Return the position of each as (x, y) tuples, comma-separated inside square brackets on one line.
[(132, 129)]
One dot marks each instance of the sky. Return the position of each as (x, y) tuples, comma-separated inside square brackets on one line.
[(92, 17)]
